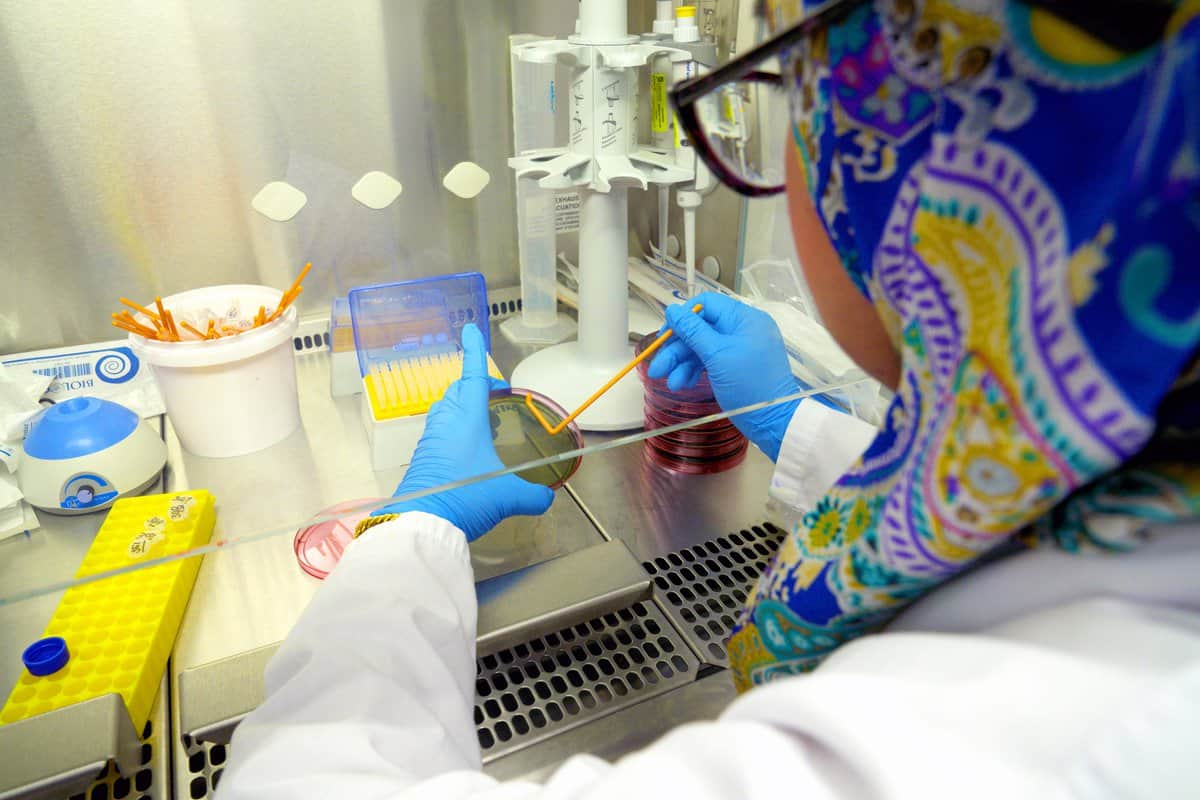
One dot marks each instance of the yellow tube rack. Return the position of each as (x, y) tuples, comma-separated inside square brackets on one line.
[(120, 630)]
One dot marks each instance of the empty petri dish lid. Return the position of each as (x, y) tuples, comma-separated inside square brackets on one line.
[(519, 438), (319, 547)]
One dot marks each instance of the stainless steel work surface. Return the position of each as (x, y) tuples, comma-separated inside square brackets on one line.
[(249, 595), (625, 674), (213, 697), (655, 511)]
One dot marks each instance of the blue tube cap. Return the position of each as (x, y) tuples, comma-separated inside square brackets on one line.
[(46, 656)]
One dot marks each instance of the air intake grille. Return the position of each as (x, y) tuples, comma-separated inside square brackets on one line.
[(543, 687), (704, 587)]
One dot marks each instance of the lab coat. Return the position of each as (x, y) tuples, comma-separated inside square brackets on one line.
[(1088, 691)]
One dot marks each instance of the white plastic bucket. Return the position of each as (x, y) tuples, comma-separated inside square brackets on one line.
[(234, 395)]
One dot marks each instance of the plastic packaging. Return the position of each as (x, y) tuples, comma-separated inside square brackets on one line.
[(702, 449), (230, 396)]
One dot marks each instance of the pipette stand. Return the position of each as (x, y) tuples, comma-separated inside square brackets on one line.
[(602, 160)]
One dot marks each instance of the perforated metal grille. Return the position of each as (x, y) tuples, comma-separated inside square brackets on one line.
[(200, 773), (141, 785), (550, 684), (703, 587)]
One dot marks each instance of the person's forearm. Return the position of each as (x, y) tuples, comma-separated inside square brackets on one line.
[(819, 446), (373, 688)]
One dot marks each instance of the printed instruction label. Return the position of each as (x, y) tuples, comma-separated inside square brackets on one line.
[(566, 212), (660, 115)]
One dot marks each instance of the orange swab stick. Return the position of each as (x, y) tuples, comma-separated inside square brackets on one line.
[(118, 324), (133, 327), (294, 288), (140, 309), (165, 316), (191, 330), (284, 303), (554, 430), (292, 292), (211, 333), (169, 321), (144, 330)]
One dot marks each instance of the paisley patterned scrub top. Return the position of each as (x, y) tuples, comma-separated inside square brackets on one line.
[(1021, 204)]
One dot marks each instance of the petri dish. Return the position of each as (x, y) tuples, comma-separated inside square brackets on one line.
[(319, 547), (696, 466), (662, 419), (696, 446), (689, 410), (689, 437), (519, 438), (702, 449)]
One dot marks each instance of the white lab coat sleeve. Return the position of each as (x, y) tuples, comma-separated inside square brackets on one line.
[(371, 696), (818, 448), (373, 689)]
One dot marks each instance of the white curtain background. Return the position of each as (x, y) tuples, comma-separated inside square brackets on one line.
[(134, 134)]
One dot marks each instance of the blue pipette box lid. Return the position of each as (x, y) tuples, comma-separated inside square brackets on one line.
[(416, 318)]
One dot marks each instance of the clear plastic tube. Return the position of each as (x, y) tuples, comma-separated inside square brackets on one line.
[(534, 111)]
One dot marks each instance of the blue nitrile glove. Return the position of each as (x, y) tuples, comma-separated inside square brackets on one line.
[(743, 352), (457, 444)]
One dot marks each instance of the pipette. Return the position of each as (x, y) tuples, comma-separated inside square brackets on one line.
[(554, 430)]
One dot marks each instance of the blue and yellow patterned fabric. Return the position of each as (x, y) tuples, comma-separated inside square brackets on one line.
[(1021, 204)]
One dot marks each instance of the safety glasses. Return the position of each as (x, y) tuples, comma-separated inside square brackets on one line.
[(732, 116)]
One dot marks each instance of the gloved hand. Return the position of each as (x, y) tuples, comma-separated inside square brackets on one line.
[(743, 352), (457, 444)]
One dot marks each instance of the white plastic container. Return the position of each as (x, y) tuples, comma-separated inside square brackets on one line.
[(234, 395)]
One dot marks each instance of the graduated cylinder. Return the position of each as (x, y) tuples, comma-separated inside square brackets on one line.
[(603, 296)]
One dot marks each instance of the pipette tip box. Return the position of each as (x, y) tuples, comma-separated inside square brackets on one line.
[(408, 339)]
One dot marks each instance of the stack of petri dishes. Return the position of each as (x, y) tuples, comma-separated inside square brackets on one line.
[(699, 450)]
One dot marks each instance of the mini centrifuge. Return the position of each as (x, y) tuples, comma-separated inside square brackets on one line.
[(85, 453)]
